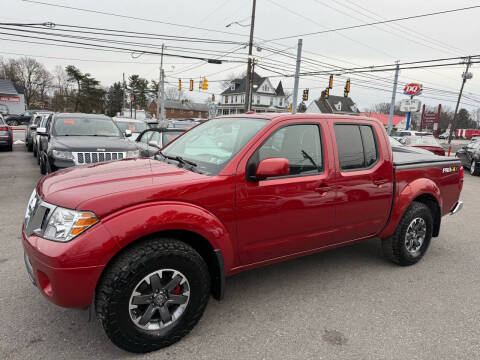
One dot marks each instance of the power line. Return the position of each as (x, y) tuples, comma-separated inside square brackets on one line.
[(373, 23), (132, 17)]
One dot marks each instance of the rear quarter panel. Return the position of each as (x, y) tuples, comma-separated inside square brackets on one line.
[(433, 180)]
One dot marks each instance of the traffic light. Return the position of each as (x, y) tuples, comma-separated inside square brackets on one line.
[(330, 82), (205, 84), (347, 88), (179, 84), (290, 108), (326, 93), (305, 95), (191, 85)]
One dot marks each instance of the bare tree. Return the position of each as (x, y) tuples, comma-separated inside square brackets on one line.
[(172, 93), (33, 77)]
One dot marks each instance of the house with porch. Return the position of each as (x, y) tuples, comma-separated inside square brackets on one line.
[(265, 96)]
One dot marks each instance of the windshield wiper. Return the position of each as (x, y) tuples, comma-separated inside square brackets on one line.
[(307, 156), (178, 158)]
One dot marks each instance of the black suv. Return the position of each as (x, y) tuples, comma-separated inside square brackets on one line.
[(470, 157), (77, 139)]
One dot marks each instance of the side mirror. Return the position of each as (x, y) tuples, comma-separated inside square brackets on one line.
[(128, 133), (42, 131), (272, 167), (154, 144), (33, 126)]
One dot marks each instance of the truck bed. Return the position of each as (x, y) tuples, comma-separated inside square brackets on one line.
[(406, 158)]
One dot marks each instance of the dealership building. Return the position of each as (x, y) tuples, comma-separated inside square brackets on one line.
[(11, 97)]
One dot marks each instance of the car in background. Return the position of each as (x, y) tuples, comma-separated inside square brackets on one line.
[(31, 130), (152, 140), (475, 138), (424, 142), (135, 126), (21, 119), (6, 135), (470, 157), (36, 136), (3, 110), (78, 139), (181, 124), (403, 133)]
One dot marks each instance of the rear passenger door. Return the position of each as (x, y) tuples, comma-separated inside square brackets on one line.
[(364, 181)]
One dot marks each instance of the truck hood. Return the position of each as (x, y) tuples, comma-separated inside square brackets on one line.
[(73, 186), (91, 143)]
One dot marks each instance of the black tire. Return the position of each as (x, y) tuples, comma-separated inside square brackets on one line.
[(43, 167), (30, 146), (395, 247), (474, 168), (34, 151), (123, 275), (10, 147)]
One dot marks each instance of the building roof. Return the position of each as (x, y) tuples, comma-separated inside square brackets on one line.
[(383, 118), (7, 87), (184, 105), (240, 85), (337, 105)]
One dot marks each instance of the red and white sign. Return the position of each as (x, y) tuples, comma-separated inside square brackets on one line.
[(412, 89), (10, 98)]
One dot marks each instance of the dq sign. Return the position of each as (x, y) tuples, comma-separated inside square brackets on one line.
[(412, 89)]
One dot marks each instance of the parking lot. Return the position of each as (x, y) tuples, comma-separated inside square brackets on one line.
[(348, 303)]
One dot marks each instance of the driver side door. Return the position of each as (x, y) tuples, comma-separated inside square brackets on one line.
[(288, 214)]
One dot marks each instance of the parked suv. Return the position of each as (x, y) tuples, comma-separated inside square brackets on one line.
[(470, 157), (31, 130), (6, 136), (76, 139)]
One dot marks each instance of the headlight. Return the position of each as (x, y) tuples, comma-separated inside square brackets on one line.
[(133, 154), (65, 224), (65, 155)]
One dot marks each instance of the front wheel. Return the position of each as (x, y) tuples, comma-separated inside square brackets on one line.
[(412, 236), (474, 169), (153, 295)]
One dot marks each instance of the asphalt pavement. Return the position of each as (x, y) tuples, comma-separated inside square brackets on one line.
[(347, 303)]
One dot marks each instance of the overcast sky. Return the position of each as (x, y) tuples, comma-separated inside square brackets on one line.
[(448, 35)]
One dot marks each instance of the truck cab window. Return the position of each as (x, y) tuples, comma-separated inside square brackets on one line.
[(300, 144), (356, 145)]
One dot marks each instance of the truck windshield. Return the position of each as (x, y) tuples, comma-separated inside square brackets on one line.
[(211, 145), (76, 126)]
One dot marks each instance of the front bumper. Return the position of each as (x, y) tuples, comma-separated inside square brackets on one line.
[(458, 206), (67, 273)]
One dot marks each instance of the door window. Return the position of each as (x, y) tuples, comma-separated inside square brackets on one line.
[(357, 148), (300, 144)]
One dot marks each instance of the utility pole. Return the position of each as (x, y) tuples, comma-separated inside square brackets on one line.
[(161, 92), (465, 77), (249, 65), (392, 103), (124, 93), (297, 75), (250, 102)]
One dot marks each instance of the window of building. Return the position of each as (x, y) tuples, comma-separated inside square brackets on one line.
[(258, 100), (232, 87), (356, 145), (300, 144), (271, 101), (280, 102), (236, 99), (226, 99), (243, 99)]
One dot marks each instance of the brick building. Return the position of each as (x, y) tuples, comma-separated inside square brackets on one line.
[(176, 109)]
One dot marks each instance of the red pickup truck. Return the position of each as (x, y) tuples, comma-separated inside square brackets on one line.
[(146, 241)]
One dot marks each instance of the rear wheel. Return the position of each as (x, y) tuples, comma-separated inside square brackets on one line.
[(412, 237), (474, 168), (43, 167), (153, 295)]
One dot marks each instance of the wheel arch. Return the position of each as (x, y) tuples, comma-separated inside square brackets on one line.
[(422, 190)]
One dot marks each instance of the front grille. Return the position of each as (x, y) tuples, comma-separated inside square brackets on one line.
[(94, 157)]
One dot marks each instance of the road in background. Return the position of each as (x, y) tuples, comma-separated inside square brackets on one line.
[(348, 303)]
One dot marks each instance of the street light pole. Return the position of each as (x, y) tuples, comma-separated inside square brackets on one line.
[(249, 65), (452, 125), (160, 102), (297, 75), (392, 103)]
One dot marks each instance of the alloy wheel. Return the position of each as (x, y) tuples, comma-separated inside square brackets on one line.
[(415, 235), (159, 299)]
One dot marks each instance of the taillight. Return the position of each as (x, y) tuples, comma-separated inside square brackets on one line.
[(3, 128)]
